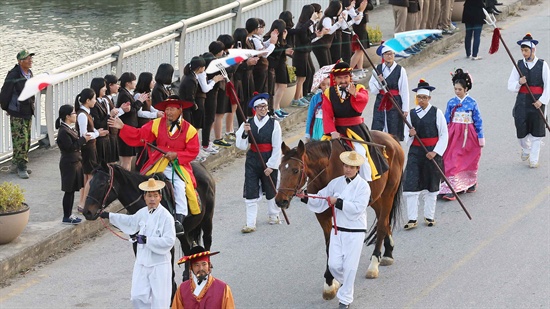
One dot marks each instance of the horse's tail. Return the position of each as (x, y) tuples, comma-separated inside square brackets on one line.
[(395, 214)]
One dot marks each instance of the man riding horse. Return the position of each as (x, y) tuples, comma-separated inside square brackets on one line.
[(343, 105), (178, 144)]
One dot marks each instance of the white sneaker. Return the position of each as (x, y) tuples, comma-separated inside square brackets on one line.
[(210, 150), (203, 153), (211, 144)]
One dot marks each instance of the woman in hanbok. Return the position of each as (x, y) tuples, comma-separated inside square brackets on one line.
[(461, 160)]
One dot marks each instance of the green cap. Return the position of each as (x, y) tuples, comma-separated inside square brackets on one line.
[(23, 54)]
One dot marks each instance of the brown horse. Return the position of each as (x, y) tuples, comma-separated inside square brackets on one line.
[(317, 163)]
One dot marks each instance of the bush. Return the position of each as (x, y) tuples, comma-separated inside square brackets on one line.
[(291, 73), (375, 35), (11, 197)]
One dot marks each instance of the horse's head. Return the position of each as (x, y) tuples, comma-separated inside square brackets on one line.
[(101, 192), (292, 174)]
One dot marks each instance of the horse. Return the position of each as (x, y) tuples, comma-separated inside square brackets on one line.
[(316, 163), (110, 182)]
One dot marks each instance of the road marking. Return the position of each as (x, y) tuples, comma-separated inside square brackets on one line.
[(19, 290), (543, 195)]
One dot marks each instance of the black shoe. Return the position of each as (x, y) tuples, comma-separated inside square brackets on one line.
[(496, 10), (179, 223), (498, 3), (342, 306)]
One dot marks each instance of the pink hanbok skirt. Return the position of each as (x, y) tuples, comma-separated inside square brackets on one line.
[(461, 159)]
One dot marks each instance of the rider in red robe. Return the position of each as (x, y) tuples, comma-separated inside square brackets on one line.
[(179, 140)]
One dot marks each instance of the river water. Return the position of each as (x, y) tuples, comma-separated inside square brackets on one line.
[(62, 31)]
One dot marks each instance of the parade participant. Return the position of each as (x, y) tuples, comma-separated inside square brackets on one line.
[(421, 175), (20, 112), (153, 227), (179, 139), (349, 195), (385, 116), (465, 126), (83, 104), (529, 123), (203, 290), (267, 133), (70, 164), (343, 105)]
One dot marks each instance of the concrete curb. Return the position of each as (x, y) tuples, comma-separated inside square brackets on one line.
[(41, 240)]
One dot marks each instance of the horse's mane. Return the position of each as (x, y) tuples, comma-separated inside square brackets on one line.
[(317, 150), (128, 177)]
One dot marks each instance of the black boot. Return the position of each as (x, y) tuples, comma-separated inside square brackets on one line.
[(179, 223), (22, 171), (496, 10)]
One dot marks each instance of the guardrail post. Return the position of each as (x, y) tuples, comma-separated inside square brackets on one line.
[(181, 52), (238, 19), (119, 57), (49, 115)]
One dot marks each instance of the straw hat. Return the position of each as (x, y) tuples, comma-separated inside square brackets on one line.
[(352, 158), (151, 185)]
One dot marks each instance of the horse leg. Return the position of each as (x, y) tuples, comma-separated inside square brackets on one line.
[(382, 215), (186, 248), (387, 259), (174, 285)]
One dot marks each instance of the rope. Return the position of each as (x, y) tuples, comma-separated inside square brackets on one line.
[(326, 198), (111, 230)]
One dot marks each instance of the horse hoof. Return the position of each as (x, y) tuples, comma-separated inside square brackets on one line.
[(386, 261), (329, 292), (372, 274)]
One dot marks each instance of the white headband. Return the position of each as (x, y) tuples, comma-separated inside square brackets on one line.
[(260, 101), (423, 91), (385, 49), (528, 43)]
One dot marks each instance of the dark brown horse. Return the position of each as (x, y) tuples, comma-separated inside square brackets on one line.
[(317, 163), (110, 182)]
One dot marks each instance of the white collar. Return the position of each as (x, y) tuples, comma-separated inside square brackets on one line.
[(84, 108)]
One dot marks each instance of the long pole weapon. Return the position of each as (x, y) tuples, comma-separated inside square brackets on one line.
[(236, 99), (396, 106), (491, 20)]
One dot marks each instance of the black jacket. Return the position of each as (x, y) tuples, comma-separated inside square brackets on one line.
[(404, 3), (473, 12), (14, 84)]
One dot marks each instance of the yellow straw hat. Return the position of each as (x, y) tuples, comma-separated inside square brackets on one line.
[(352, 158), (151, 185)]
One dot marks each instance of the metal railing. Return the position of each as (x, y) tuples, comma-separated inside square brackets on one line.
[(175, 44)]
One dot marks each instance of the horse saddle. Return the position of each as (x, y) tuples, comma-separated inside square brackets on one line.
[(168, 196)]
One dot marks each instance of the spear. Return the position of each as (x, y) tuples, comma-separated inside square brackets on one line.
[(491, 20), (396, 106), (233, 96)]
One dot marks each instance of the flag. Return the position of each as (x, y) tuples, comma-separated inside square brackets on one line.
[(404, 40), (39, 82)]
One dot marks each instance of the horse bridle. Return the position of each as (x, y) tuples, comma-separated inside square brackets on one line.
[(303, 179), (109, 189)]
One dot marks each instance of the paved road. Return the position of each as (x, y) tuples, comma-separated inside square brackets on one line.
[(499, 259)]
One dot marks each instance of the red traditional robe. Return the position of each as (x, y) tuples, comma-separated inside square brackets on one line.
[(216, 295), (185, 142)]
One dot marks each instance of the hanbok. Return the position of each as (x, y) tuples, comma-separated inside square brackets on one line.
[(461, 160)]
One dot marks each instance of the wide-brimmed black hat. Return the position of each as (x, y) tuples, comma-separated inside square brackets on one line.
[(341, 68), (528, 41), (423, 84), (197, 252)]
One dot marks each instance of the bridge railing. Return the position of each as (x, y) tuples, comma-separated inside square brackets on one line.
[(175, 44)]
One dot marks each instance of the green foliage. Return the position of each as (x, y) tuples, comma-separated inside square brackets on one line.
[(11, 197), (375, 34), (291, 73)]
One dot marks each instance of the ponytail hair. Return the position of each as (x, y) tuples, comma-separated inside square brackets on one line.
[(64, 111), (82, 97), (462, 78)]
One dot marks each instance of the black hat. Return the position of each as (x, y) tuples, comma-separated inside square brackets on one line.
[(423, 84), (528, 41), (341, 68)]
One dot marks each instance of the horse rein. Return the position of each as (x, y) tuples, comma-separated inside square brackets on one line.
[(303, 179)]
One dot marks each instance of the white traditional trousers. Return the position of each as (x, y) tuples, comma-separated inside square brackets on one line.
[(430, 199), (151, 286), (179, 191), (365, 170), (252, 210), (343, 260), (531, 145)]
